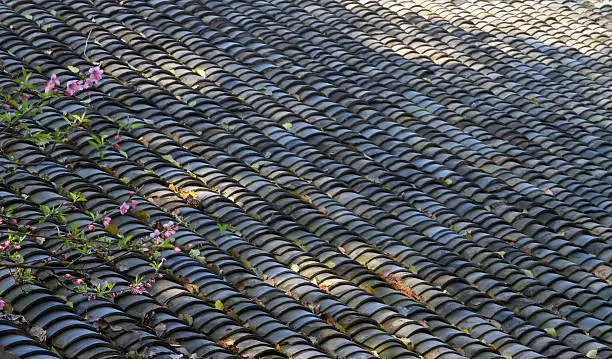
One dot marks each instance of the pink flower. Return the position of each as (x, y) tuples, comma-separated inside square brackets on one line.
[(25, 96), (67, 275), (168, 234), (17, 246), (177, 249), (87, 84), (134, 203), (91, 227), (6, 107), (117, 137), (54, 252), (50, 85), (116, 147), (78, 282), (132, 193), (73, 87), (95, 74), (107, 221), (168, 224), (124, 208), (155, 233), (2, 304)]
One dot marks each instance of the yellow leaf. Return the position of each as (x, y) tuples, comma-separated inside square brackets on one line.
[(219, 305)]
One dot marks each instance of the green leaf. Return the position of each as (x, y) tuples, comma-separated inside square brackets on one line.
[(142, 215), (592, 354), (551, 331), (287, 126), (295, 267), (219, 305), (112, 229), (73, 69), (170, 159), (528, 273), (200, 71)]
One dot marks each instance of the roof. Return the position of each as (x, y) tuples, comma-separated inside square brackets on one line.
[(353, 179)]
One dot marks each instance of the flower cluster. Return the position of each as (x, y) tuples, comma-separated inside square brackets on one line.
[(167, 232), (75, 86), (7, 245)]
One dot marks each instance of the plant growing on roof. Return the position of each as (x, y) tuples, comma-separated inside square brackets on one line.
[(99, 238)]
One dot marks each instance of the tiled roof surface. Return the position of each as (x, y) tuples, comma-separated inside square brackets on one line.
[(400, 178)]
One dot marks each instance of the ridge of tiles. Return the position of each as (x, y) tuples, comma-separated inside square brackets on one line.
[(401, 179)]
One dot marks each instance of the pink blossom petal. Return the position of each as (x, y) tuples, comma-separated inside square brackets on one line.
[(124, 208), (134, 203), (73, 87), (87, 84), (50, 85), (107, 221), (177, 249), (95, 74), (2, 304)]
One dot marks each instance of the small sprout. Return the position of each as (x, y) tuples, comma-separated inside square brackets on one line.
[(551, 331), (592, 354)]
